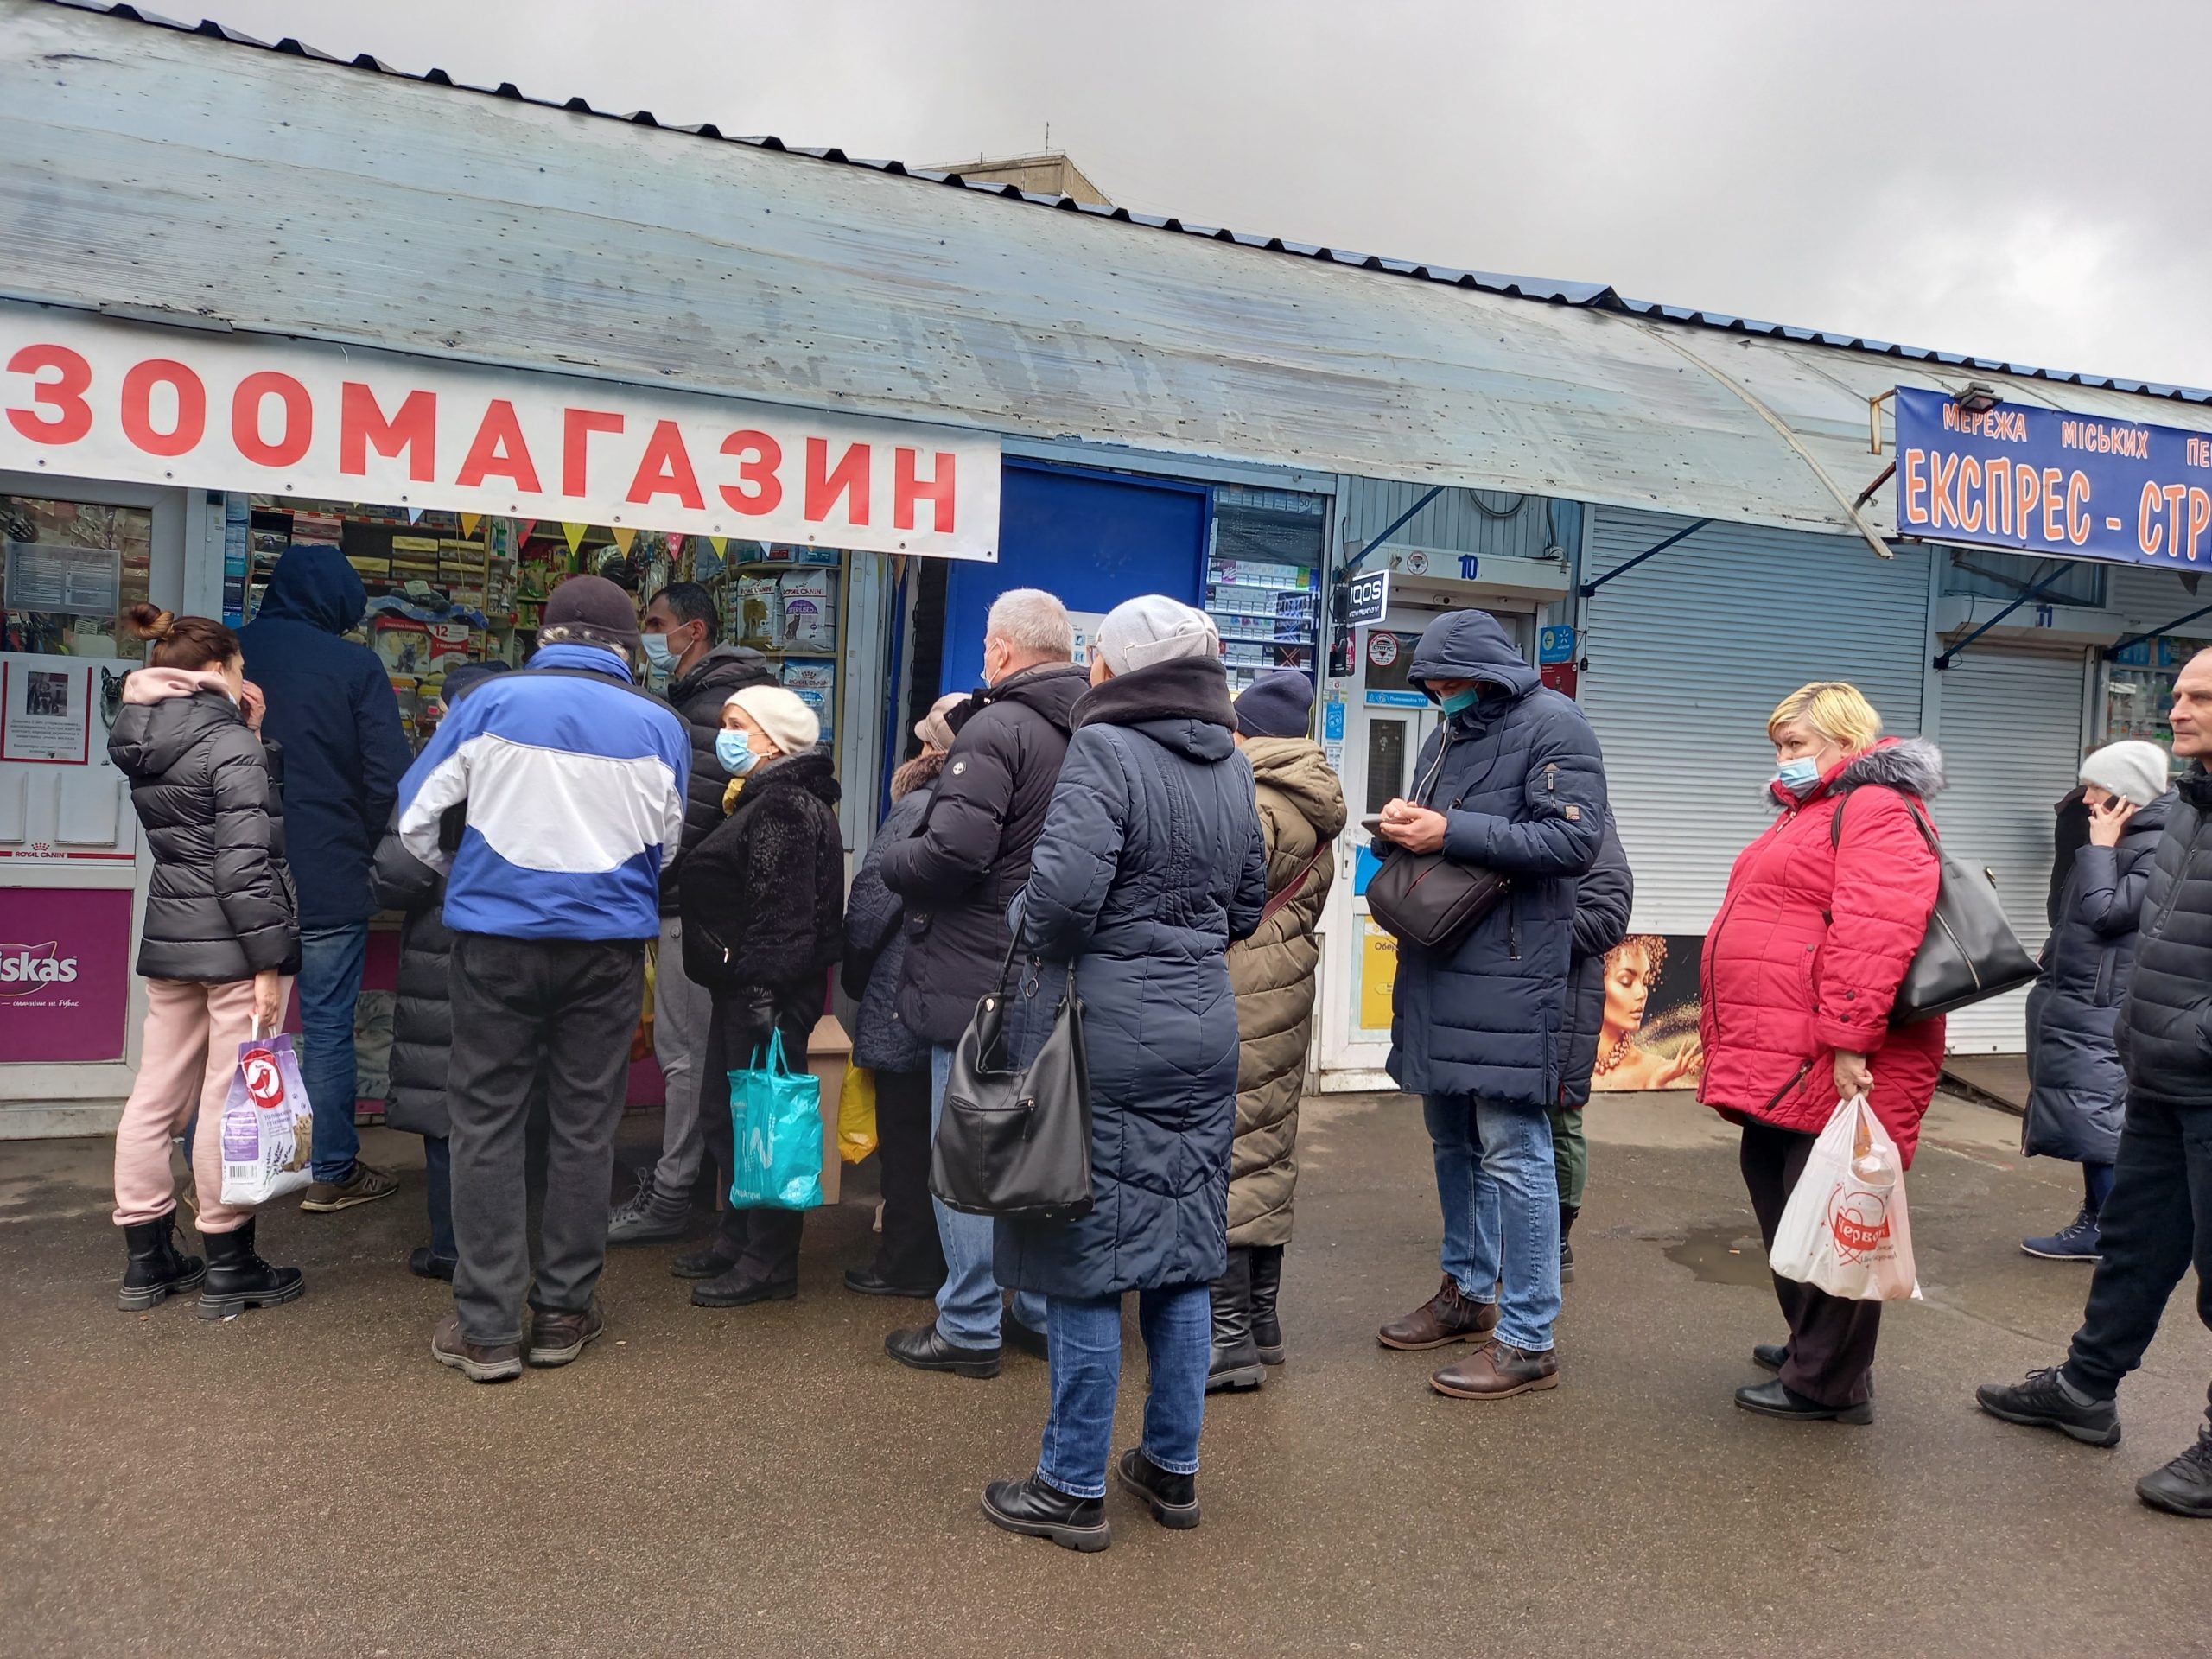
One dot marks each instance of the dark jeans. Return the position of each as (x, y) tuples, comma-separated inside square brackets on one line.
[(909, 1253), (567, 1008), (1831, 1339), (763, 1244), (437, 1191), (2157, 1221), (331, 961)]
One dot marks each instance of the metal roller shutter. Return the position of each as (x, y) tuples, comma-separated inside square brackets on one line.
[(2011, 728), (1689, 653)]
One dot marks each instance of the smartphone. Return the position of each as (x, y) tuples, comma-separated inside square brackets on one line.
[(1372, 824)]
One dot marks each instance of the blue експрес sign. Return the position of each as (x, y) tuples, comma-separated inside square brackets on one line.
[(2078, 487)]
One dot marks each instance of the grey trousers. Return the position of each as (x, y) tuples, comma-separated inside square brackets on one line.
[(566, 1010), (681, 1011)]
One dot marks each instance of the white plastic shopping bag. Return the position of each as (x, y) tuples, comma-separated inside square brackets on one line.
[(1845, 1229), (268, 1131)]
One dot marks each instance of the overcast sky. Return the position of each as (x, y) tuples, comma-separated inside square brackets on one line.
[(2026, 180)]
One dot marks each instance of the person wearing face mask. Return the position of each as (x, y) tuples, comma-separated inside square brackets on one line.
[(1823, 914), (764, 916), (678, 639), (2077, 1094), (1511, 781), (220, 947), (956, 873)]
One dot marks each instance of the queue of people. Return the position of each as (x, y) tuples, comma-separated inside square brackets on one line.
[(1122, 833)]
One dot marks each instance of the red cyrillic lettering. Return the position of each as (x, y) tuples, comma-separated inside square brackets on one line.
[(2077, 508), (825, 485), (2149, 534), (576, 427), (498, 446), (2200, 516), (64, 394), (413, 430), (1916, 487), (2027, 490), (245, 419), (906, 490), (762, 456), (137, 406), (2054, 504), (665, 469), (1944, 469)]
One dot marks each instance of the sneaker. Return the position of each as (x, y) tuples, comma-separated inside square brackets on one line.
[(2045, 1399), (646, 1218), (2183, 1486), (2077, 1242), (363, 1186)]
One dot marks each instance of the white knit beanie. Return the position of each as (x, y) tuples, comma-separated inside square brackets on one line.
[(1154, 628), (783, 715), (2135, 771)]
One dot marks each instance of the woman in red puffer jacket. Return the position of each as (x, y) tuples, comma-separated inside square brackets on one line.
[(1801, 968)]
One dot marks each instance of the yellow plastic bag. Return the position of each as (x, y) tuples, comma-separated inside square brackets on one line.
[(856, 1114)]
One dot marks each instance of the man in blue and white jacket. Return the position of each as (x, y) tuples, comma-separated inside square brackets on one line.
[(572, 782)]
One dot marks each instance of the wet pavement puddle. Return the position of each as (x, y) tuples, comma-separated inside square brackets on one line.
[(1722, 1255)]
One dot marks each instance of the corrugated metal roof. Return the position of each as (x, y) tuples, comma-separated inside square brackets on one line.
[(1548, 289), (286, 193)]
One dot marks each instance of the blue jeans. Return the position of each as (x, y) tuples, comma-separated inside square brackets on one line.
[(1500, 1192), (968, 1306), (1085, 1334), (330, 985), (437, 1170)]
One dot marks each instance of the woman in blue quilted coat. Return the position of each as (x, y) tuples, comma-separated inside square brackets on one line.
[(1150, 862)]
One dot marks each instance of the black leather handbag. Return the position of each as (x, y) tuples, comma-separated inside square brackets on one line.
[(1427, 899), (1016, 1143), (1970, 953)]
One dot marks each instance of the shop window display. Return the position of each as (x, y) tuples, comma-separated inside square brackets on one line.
[(2139, 695)]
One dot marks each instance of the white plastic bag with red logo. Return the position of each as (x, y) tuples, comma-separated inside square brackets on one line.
[(268, 1131), (1845, 1229)]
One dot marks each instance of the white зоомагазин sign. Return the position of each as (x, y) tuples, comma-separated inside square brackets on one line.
[(85, 396)]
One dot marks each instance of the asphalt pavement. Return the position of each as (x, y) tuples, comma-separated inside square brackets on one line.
[(305, 1480)]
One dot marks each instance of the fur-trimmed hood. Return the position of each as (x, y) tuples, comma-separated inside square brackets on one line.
[(1912, 764)]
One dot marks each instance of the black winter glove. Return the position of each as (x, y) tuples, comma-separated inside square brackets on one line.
[(751, 1014)]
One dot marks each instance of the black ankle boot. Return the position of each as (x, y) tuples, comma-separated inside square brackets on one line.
[(1266, 1282), (158, 1270), (238, 1279), (1567, 1213), (1236, 1361)]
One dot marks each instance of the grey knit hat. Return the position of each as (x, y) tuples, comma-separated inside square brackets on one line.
[(2135, 771), (1154, 628)]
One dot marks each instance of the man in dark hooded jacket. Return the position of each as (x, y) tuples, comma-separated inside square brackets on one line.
[(331, 706), (1511, 781)]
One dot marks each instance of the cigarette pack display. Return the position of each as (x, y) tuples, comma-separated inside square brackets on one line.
[(370, 568), (759, 612), (821, 555), (816, 684), (317, 530), (810, 602)]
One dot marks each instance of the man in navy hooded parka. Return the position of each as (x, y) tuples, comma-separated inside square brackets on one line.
[(330, 706)]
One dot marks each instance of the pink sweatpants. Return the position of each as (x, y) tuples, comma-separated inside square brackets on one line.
[(191, 1048)]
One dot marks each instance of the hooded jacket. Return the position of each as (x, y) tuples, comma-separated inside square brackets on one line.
[(574, 781), (330, 706), (763, 909), (2166, 1031), (220, 905), (1812, 941), (422, 1015), (1603, 900), (1150, 862), (1521, 784), (2076, 1091), (697, 697), (1301, 806), (875, 941), (960, 868)]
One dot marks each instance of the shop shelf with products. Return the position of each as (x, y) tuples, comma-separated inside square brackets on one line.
[(2139, 690)]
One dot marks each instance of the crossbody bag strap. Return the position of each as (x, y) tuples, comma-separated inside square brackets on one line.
[(1290, 888)]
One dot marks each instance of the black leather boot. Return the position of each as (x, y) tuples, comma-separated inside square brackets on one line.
[(238, 1279), (1037, 1510), (1236, 1361), (158, 1270), (1567, 1212), (1267, 1281)]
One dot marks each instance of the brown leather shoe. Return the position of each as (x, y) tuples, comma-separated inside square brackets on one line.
[(1498, 1372), (556, 1338), (1444, 1319), (480, 1362)]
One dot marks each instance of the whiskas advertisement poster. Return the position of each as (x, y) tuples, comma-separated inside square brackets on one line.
[(65, 974)]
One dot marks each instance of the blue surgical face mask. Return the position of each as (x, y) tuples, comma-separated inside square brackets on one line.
[(659, 651), (1800, 776), (1460, 701), (735, 751)]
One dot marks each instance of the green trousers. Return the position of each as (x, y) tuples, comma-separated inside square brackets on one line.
[(1570, 1155)]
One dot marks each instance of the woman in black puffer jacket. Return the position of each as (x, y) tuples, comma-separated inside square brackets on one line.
[(221, 944), (422, 1018), (763, 921)]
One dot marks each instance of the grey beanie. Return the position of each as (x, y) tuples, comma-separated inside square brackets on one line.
[(1154, 628), (2135, 771)]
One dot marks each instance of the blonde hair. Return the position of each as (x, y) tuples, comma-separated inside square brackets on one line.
[(1835, 708)]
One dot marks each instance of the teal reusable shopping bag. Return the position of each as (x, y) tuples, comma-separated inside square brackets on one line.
[(776, 1126)]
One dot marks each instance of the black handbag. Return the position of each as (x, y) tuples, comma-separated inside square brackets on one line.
[(1970, 953), (1016, 1143), (1427, 899)]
